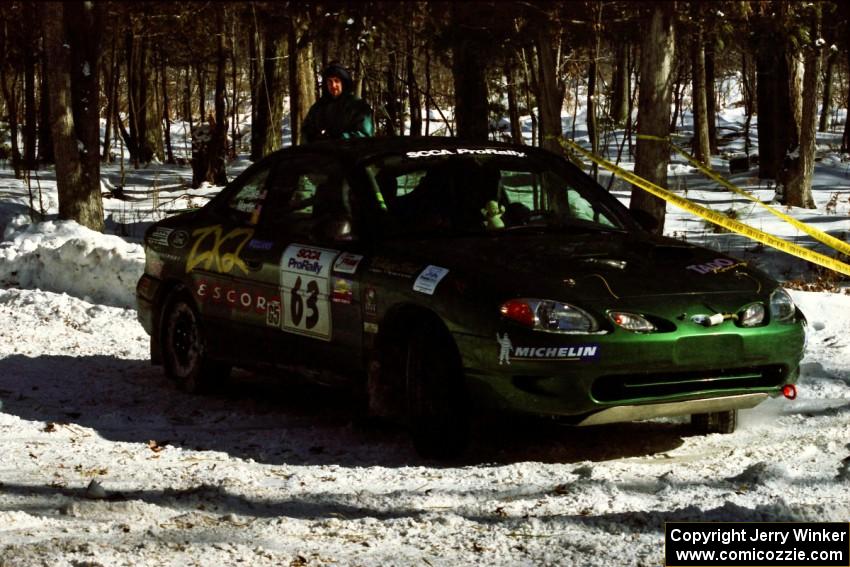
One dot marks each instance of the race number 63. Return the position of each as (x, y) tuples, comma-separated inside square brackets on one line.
[(305, 286)]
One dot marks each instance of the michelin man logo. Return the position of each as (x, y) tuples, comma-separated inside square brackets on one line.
[(505, 347)]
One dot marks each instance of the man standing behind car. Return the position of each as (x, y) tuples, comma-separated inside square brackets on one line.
[(338, 114)]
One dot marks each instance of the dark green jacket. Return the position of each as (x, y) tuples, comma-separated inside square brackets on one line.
[(338, 118)]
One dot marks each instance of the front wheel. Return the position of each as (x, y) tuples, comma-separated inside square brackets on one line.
[(436, 396), (715, 422), (184, 349)]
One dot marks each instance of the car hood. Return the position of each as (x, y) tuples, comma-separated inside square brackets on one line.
[(594, 265)]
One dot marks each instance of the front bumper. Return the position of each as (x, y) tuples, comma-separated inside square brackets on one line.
[(623, 376)]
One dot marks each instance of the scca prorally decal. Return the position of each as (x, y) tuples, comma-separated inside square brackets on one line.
[(306, 260), (464, 151), (215, 251), (718, 265)]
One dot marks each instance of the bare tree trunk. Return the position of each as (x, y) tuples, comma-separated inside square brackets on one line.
[(77, 169), (799, 189), (513, 105), (111, 99), (826, 104), (218, 174), (710, 94), (702, 146), (768, 86), (677, 97), (302, 89), (234, 106), (413, 95), (551, 93), (427, 90), (29, 129), (391, 98), (747, 78), (656, 82), (10, 93), (620, 84), (788, 120), (302, 82), (166, 106), (201, 74), (258, 131), (469, 73), (45, 135)]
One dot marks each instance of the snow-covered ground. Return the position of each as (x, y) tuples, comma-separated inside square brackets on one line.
[(104, 462)]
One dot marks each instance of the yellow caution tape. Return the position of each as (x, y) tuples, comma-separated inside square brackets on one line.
[(818, 235), (713, 216)]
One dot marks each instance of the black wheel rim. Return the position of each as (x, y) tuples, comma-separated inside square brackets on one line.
[(184, 339)]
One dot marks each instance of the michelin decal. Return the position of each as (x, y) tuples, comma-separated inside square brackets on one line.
[(508, 351)]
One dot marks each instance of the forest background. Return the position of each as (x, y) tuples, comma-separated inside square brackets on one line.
[(475, 66)]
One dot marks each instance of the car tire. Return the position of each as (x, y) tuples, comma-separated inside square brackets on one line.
[(715, 422), (184, 348), (435, 393)]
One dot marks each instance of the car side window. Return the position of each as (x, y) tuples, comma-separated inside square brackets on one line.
[(303, 191), (246, 202)]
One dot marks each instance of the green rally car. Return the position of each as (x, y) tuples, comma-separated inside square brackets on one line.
[(437, 275)]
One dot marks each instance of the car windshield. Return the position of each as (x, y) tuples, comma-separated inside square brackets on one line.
[(490, 190)]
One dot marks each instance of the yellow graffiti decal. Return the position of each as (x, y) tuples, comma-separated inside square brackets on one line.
[(213, 259)]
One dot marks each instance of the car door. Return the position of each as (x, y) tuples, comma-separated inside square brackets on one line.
[(310, 261), (224, 279)]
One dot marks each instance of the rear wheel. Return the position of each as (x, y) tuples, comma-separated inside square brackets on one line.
[(184, 349), (435, 393), (715, 422)]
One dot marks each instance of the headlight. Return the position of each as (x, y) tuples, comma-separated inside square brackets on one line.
[(752, 315), (549, 316), (782, 307), (631, 322)]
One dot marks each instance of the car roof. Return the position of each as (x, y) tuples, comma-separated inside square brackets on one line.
[(363, 148)]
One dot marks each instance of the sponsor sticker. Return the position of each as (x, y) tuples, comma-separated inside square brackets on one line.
[(393, 268), (343, 291), (273, 314), (178, 238), (370, 301), (715, 266), (257, 244), (159, 236), (508, 351), (347, 263), (429, 279)]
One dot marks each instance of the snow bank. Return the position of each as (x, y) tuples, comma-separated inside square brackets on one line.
[(63, 256)]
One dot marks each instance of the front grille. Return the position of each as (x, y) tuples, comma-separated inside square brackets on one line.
[(635, 386)]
